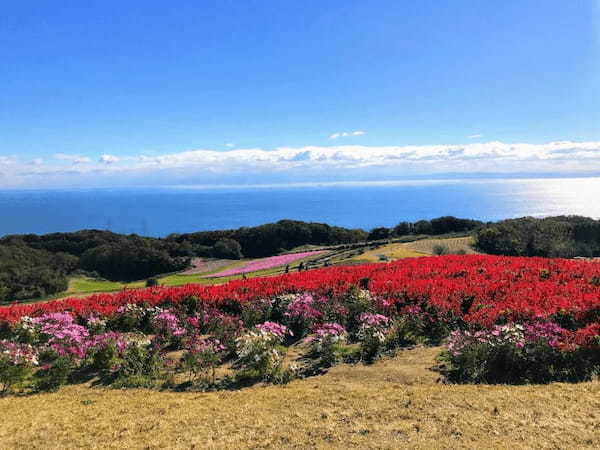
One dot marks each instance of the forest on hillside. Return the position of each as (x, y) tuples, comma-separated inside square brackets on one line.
[(560, 236)]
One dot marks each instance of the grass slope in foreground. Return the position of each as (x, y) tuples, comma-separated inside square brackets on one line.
[(394, 403)]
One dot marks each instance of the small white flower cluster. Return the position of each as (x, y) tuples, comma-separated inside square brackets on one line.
[(27, 323), (136, 310), (256, 350), (96, 324)]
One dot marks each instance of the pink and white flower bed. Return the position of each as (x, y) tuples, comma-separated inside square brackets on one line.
[(265, 263)]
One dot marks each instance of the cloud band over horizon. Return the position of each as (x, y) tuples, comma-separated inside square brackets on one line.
[(296, 164)]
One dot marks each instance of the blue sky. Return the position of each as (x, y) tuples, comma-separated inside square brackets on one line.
[(98, 93)]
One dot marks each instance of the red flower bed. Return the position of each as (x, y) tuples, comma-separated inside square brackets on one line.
[(480, 289)]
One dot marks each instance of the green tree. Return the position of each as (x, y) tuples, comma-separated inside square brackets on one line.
[(228, 249)]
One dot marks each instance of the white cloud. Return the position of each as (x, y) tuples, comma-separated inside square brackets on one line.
[(74, 159), (230, 144), (346, 134), (8, 160), (475, 136), (109, 159), (349, 162)]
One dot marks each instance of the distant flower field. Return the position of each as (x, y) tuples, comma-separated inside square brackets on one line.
[(264, 264), (203, 265)]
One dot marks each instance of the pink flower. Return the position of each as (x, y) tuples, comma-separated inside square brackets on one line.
[(274, 328), (373, 320), (167, 323), (264, 263), (329, 329), (303, 307)]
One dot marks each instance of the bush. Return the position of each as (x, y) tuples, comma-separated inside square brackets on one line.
[(132, 317), (201, 358), (507, 364), (404, 332), (168, 328), (16, 364), (357, 301), (139, 367), (259, 351), (302, 312), (440, 249), (223, 327), (371, 335), (326, 342), (106, 353), (54, 373), (515, 354), (257, 312)]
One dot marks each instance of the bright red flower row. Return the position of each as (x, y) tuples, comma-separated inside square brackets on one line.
[(480, 289)]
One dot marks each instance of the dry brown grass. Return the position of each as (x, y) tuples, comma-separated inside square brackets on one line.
[(392, 404), (454, 245), (390, 251)]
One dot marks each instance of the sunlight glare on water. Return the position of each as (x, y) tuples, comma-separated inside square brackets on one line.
[(549, 197)]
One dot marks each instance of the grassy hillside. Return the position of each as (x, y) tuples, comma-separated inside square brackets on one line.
[(388, 252), (454, 245), (394, 403)]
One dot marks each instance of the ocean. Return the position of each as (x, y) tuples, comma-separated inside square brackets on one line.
[(162, 211)]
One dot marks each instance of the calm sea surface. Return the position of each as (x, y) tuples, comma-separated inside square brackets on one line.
[(158, 212)]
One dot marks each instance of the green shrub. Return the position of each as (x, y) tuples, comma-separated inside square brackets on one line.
[(440, 249), (404, 332), (372, 335), (507, 364), (357, 301), (201, 358), (54, 374), (260, 354), (104, 359), (139, 367), (12, 375)]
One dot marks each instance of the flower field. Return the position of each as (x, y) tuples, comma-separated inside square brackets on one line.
[(503, 320), (264, 264), (480, 289)]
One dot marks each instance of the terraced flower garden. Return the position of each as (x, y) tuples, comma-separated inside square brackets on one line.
[(502, 320)]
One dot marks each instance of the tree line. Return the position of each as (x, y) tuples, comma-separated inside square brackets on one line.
[(270, 239), (560, 236), (433, 227)]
